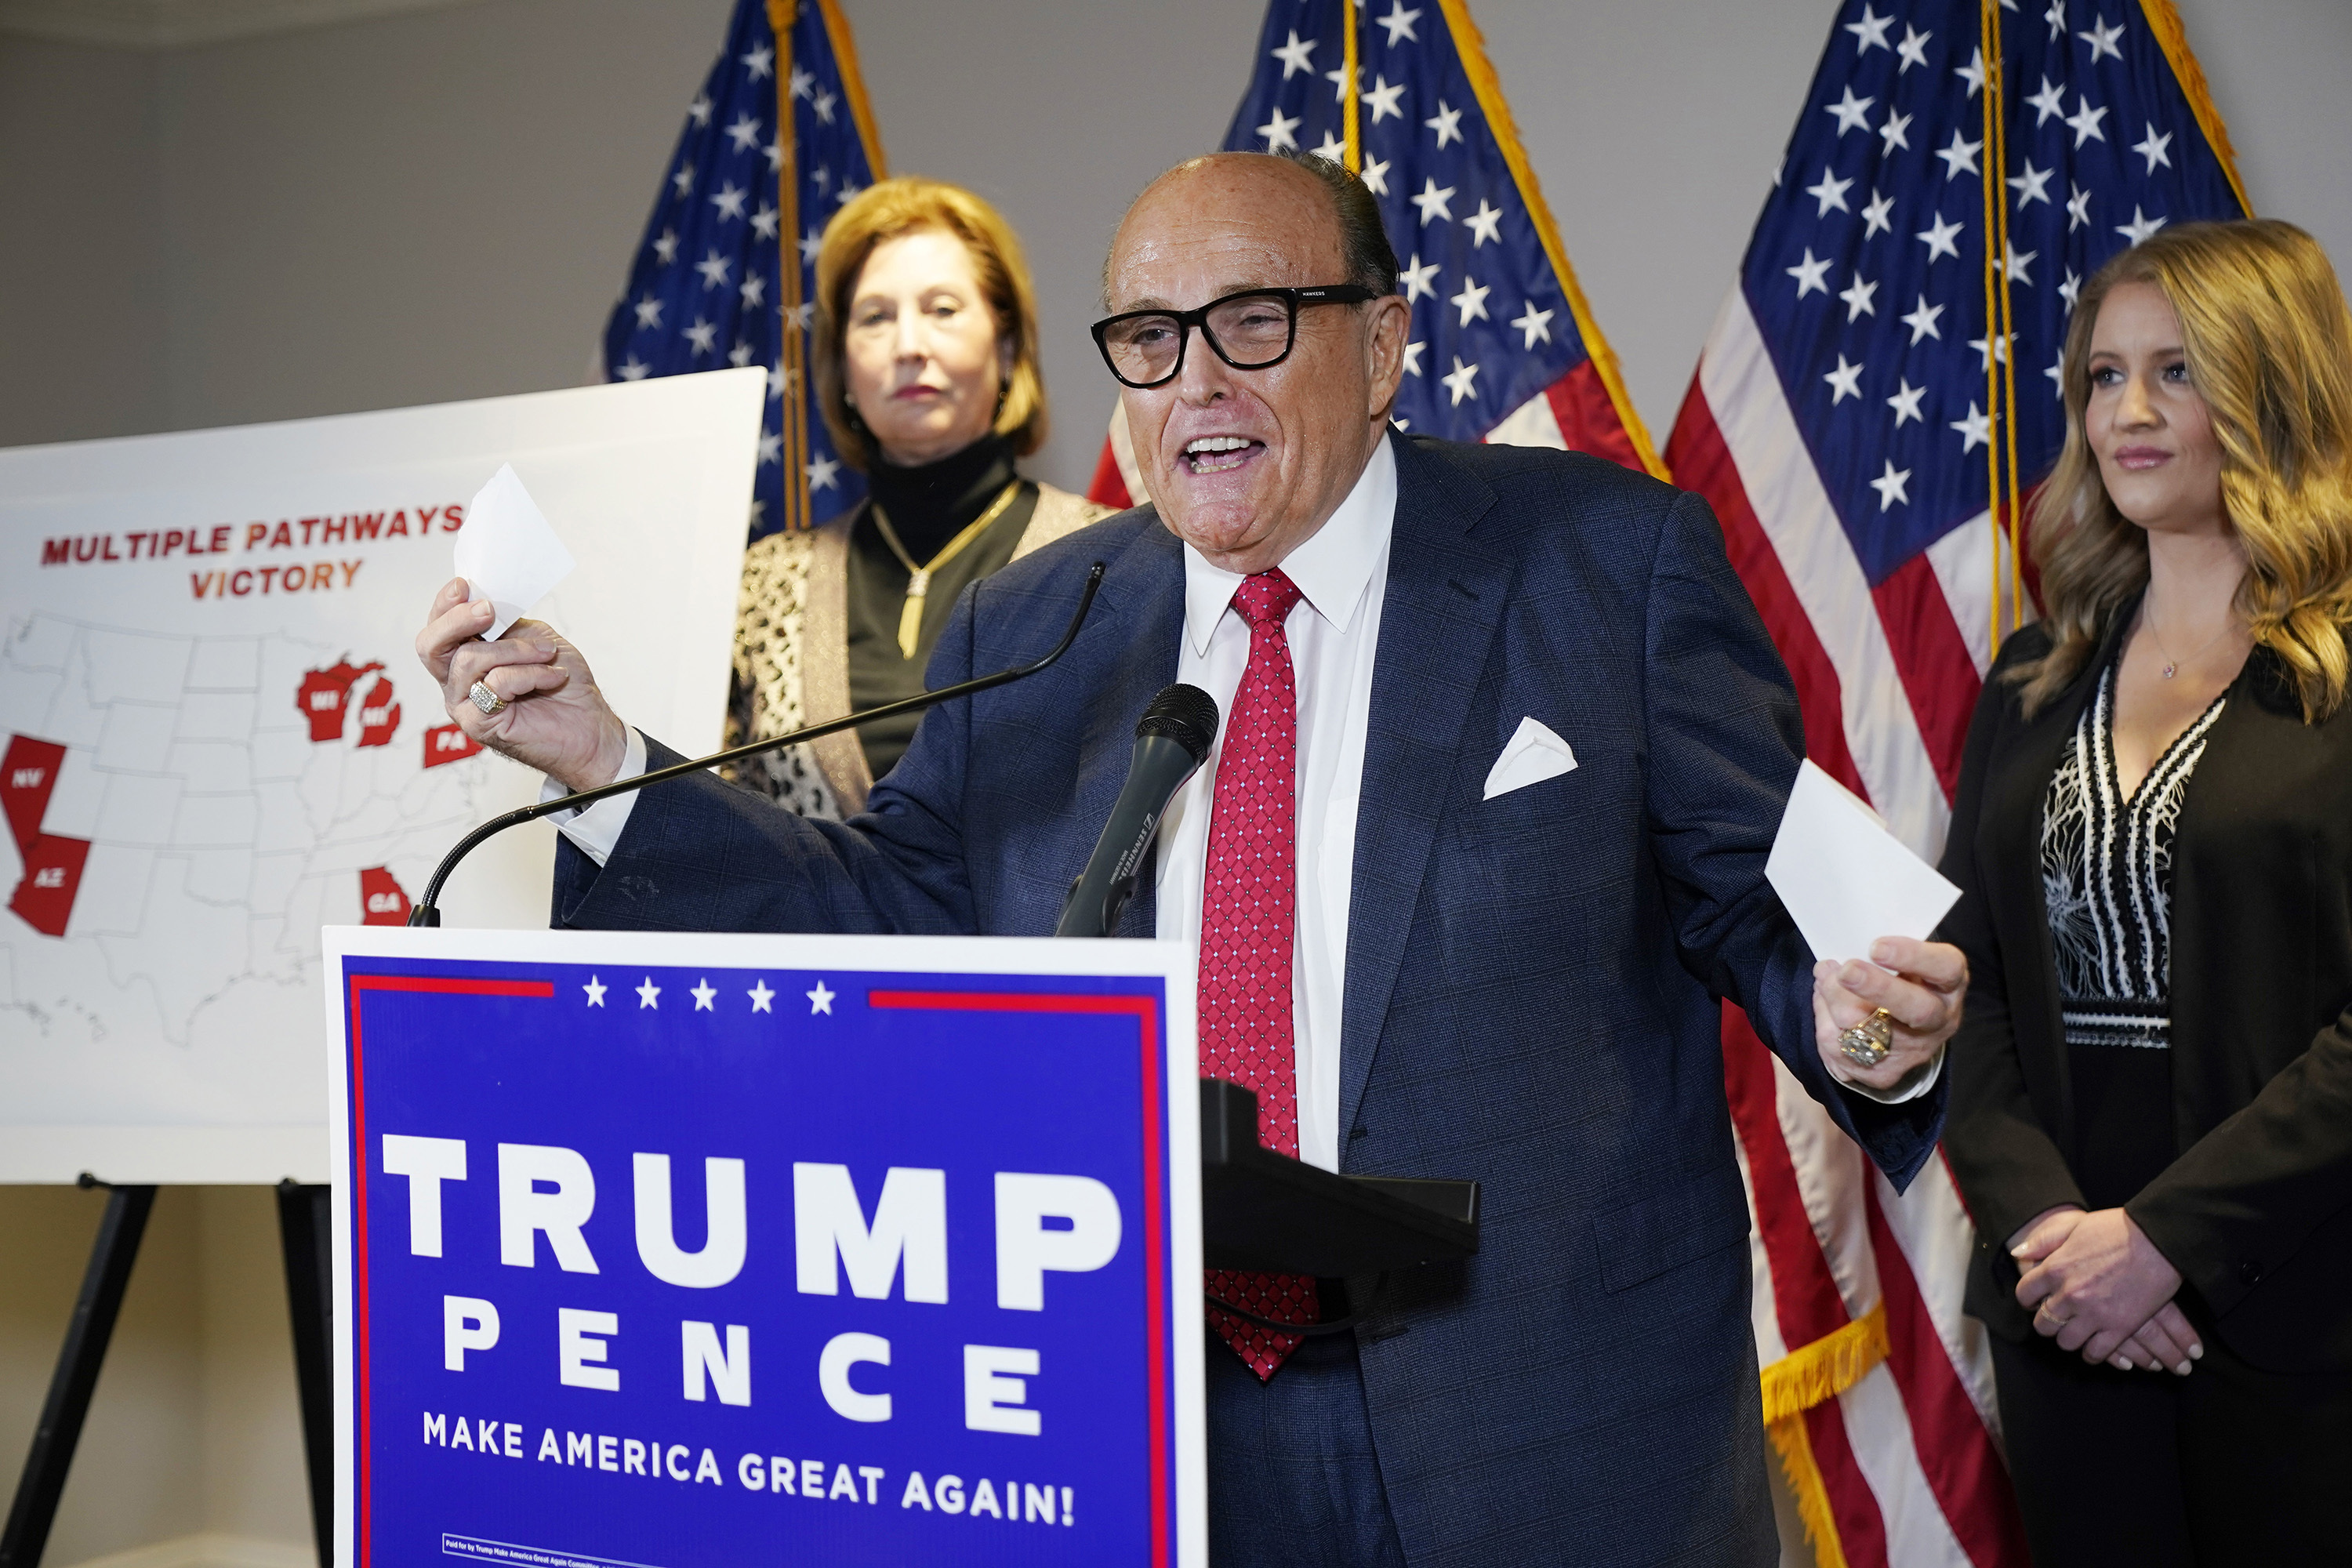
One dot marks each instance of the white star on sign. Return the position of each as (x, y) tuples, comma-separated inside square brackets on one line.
[(821, 1001), (1857, 297), (1905, 401), (848, 189), (2032, 185), (1384, 99), (1892, 132), (1852, 113), (1877, 216), (683, 179), (2140, 227), (1973, 73), (2070, 288), (1472, 300), (745, 132), (1829, 192), (1871, 32), (822, 103), (1278, 131), (648, 995), (2078, 208), (760, 996), (821, 474), (703, 335), (771, 447), (754, 291), (649, 311), (1446, 123), (1415, 277), (761, 62), (666, 247), (2056, 17), (1434, 201), (2015, 265), (700, 109), (1810, 274), (775, 381), (1912, 49), (1341, 84), (1485, 224), (1535, 323), (1458, 383), (2047, 103), (1891, 486), (2057, 375), (739, 355), (1844, 381), (1332, 149), (703, 993), (1961, 154), (802, 83), (1940, 237), (2153, 149), (1412, 358), (2085, 121), (1398, 22), (763, 223), (1976, 430), (1922, 321), (811, 243), (633, 369), (1375, 176), (596, 989), (775, 152), (2103, 40), (1295, 55), (713, 268), (1991, 349)]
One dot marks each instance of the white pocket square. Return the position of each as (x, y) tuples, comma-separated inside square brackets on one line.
[(1534, 755)]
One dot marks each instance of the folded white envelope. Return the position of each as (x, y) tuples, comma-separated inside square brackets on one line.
[(1534, 755), (1844, 877), (506, 552)]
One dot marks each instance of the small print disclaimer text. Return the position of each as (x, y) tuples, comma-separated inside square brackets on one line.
[(477, 1551)]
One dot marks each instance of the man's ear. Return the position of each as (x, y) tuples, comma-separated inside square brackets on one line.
[(1390, 321)]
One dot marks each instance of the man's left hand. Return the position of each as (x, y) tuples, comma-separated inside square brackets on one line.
[(2098, 1286), (1920, 983)]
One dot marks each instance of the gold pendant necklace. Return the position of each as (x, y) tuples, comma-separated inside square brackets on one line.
[(918, 578)]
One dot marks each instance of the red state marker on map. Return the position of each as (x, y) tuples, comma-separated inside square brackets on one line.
[(45, 898), (28, 774), (449, 743), (379, 714), (382, 901), (324, 698)]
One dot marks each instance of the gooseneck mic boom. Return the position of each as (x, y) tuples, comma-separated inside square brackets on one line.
[(427, 911), (1172, 741)]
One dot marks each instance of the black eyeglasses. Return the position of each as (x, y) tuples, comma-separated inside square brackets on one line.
[(1253, 330)]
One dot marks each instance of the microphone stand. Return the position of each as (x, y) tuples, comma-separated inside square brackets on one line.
[(427, 911)]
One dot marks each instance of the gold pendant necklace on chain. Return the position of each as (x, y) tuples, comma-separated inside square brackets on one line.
[(918, 578)]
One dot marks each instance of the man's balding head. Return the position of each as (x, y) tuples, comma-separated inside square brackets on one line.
[(1223, 224)]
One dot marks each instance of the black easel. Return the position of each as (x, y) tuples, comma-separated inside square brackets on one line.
[(302, 1220)]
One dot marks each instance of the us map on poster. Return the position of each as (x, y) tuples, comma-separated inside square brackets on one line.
[(215, 738)]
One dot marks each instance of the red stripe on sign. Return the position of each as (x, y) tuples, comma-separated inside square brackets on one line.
[(1109, 486), (1939, 674), (364, 1480), (1861, 1527), (1804, 1292), (1700, 461), (1588, 419), (1145, 1010), (1956, 1453)]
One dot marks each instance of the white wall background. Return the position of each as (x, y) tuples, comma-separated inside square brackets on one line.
[(443, 205)]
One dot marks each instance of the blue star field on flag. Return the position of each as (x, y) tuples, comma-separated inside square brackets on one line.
[(1493, 327), (706, 289), (1866, 273)]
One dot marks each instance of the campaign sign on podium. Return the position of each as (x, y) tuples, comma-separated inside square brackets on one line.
[(693, 1251)]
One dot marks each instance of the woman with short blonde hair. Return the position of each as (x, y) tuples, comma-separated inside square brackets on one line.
[(924, 364), (2152, 1095)]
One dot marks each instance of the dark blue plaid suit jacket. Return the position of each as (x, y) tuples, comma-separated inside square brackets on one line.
[(1531, 980)]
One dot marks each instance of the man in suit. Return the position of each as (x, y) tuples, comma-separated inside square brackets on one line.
[(1429, 957)]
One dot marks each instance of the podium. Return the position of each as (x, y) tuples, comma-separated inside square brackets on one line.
[(693, 1250)]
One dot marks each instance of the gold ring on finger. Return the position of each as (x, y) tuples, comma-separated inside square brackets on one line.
[(491, 703), (1868, 1042)]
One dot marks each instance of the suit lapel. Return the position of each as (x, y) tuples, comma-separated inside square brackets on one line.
[(1140, 620), (1443, 602)]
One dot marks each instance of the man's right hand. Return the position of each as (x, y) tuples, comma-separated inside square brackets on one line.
[(555, 720)]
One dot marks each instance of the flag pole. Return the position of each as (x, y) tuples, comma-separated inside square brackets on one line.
[(1988, 43), (1348, 63)]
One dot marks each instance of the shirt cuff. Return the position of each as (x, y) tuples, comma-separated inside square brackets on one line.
[(596, 829), (1919, 1081)]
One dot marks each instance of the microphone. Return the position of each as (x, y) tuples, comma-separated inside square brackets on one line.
[(1172, 741), (427, 911)]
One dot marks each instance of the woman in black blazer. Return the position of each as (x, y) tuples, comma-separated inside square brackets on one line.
[(2151, 1113)]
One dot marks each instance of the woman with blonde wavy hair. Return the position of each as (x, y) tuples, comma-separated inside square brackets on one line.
[(2152, 1095)]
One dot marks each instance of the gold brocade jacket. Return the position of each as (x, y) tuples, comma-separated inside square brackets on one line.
[(791, 655)]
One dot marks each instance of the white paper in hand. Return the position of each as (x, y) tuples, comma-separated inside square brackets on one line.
[(506, 552), (1844, 879)]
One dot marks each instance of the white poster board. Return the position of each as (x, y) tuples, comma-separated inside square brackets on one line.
[(217, 738)]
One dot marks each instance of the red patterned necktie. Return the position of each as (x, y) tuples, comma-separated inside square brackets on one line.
[(1248, 909)]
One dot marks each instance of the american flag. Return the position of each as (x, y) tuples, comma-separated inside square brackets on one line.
[(1879, 388), (1502, 346), (777, 139)]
